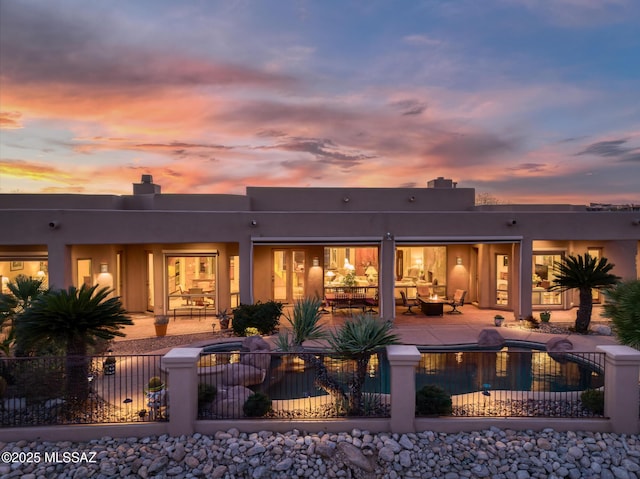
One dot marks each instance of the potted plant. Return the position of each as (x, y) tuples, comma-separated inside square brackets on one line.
[(224, 317), (109, 365), (498, 319), (161, 322), (545, 316)]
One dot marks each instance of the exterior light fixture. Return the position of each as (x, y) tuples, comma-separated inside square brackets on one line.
[(511, 222), (316, 261), (459, 261), (346, 199), (254, 223), (104, 268), (388, 236)]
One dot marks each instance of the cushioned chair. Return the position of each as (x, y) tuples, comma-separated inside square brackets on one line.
[(458, 301), (406, 303)]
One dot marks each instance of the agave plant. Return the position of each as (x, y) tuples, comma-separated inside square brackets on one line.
[(583, 273), (623, 307)]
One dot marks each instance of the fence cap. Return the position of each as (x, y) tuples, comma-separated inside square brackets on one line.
[(403, 352), (620, 353), (177, 355)]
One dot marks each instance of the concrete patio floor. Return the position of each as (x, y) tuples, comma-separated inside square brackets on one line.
[(413, 329)]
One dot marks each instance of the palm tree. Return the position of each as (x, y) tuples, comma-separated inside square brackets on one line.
[(583, 273), (23, 291), (623, 307), (358, 340), (75, 319)]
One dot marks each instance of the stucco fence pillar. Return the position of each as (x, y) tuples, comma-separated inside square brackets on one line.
[(403, 361), (181, 365), (621, 402)]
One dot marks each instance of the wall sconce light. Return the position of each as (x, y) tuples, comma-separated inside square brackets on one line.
[(459, 261), (104, 268), (316, 261)]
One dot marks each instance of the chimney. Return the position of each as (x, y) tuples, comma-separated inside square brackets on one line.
[(441, 182), (146, 186)]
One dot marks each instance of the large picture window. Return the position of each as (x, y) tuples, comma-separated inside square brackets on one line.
[(191, 281)]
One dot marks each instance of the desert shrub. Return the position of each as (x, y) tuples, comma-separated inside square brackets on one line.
[(251, 332), (39, 379), (432, 400), (265, 317), (206, 393), (593, 400), (257, 405), (530, 322)]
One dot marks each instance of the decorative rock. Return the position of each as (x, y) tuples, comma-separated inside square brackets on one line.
[(386, 454), (490, 339), (602, 330), (353, 456)]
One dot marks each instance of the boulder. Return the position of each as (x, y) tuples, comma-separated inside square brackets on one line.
[(260, 360), (229, 402), (602, 330), (559, 344), (235, 374), (490, 339), (556, 348), (254, 343)]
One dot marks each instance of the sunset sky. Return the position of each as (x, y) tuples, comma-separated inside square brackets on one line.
[(528, 101)]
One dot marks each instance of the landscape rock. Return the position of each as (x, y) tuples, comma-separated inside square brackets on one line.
[(490, 339)]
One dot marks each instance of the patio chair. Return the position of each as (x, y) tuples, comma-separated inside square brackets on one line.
[(407, 304), (458, 301)]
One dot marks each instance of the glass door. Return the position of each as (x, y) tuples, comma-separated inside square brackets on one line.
[(150, 282), (288, 277), (502, 280), (596, 297)]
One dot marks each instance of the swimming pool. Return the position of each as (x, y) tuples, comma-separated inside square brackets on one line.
[(458, 369)]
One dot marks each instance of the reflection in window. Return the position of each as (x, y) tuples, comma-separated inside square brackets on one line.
[(542, 279), (351, 266)]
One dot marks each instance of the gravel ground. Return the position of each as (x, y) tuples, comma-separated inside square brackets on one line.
[(492, 453), (155, 344)]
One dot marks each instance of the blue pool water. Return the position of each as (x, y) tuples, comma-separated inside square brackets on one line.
[(459, 370)]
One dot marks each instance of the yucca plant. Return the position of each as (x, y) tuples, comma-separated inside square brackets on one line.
[(304, 324), (583, 273), (74, 318), (358, 339), (623, 307)]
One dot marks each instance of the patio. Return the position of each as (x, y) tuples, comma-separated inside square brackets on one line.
[(417, 329)]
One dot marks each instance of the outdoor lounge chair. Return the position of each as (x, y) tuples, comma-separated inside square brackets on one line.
[(458, 301), (406, 303)]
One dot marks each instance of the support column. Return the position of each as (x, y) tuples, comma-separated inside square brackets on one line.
[(246, 271), (403, 361), (621, 402), (524, 274), (59, 265), (387, 277), (182, 373)]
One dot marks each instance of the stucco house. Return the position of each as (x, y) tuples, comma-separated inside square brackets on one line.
[(180, 254)]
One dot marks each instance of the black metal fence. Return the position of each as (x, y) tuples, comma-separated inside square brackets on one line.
[(513, 383), (291, 386), (81, 390)]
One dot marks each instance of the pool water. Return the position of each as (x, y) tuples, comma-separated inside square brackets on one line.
[(458, 372)]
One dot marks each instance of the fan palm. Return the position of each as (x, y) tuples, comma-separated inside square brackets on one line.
[(75, 319), (583, 273), (358, 340), (623, 307)]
